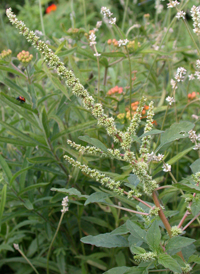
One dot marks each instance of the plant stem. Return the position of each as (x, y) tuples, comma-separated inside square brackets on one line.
[(84, 10), (125, 13), (164, 219), (191, 221), (139, 200), (129, 210), (58, 227), (161, 214), (41, 19), (24, 256), (191, 36)]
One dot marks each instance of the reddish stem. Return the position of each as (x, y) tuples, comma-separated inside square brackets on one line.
[(139, 200), (191, 221)]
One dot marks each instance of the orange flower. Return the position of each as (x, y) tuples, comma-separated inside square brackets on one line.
[(114, 90), (192, 95), (51, 8), (155, 123)]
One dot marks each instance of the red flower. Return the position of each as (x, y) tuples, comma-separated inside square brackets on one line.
[(51, 8)]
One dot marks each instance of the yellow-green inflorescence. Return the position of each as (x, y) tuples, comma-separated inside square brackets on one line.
[(5, 53), (125, 139), (175, 230), (24, 56)]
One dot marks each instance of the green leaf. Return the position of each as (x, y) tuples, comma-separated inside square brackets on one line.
[(152, 132), (12, 71), (16, 142), (45, 123), (33, 187), (57, 84), (153, 236), (3, 201), (137, 270), (178, 242), (20, 108), (179, 156), (41, 160), (97, 221), (194, 259), (71, 191), (28, 204), (72, 129), (137, 249), (6, 247), (195, 207), (121, 230), (18, 133), (66, 52), (168, 262), (195, 167), (133, 179), (94, 142), (62, 44), (117, 270), (188, 187), (175, 132), (136, 231), (96, 197), (105, 240), (18, 173), (113, 54), (5, 168)]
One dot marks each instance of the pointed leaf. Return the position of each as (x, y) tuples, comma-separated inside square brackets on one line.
[(178, 242), (188, 187), (152, 132), (136, 231), (3, 201), (71, 191), (5, 168), (94, 142), (195, 167), (105, 240), (97, 197), (153, 236), (117, 270), (175, 132), (168, 262)]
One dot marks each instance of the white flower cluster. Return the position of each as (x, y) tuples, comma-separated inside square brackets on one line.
[(92, 38), (170, 100), (107, 14), (198, 63), (180, 74), (173, 84), (65, 204), (172, 4), (180, 14), (195, 12), (98, 25), (152, 157), (191, 77), (166, 167), (123, 42), (194, 138)]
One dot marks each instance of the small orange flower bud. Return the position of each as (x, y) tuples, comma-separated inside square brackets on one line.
[(116, 43), (109, 42)]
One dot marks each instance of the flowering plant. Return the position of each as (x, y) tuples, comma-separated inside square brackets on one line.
[(138, 152)]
